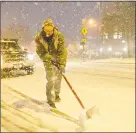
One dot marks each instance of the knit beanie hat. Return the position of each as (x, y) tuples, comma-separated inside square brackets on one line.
[(47, 22)]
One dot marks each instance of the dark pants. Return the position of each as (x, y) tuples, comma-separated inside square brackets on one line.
[(53, 84)]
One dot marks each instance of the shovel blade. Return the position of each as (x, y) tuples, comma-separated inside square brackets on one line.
[(90, 112)]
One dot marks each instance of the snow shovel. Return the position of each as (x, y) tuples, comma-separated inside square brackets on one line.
[(86, 114)]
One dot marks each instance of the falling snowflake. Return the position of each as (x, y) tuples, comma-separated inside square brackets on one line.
[(98, 3), (14, 18), (52, 5), (79, 4), (36, 3), (63, 25), (43, 9)]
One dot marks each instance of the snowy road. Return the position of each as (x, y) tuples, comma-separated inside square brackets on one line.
[(111, 87)]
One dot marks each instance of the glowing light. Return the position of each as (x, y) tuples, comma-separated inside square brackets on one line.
[(109, 49), (123, 41), (30, 56), (125, 49), (91, 21), (81, 47), (101, 49)]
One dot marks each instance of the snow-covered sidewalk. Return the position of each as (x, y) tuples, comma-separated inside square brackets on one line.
[(22, 115), (111, 87)]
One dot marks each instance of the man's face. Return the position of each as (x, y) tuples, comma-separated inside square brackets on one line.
[(48, 30)]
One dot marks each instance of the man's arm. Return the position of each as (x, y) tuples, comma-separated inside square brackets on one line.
[(41, 51), (62, 52)]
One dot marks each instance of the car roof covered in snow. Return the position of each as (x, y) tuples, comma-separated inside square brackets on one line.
[(7, 41), (10, 40)]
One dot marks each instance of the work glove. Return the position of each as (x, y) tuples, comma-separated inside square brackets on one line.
[(53, 60), (47, 57), (62, 68)]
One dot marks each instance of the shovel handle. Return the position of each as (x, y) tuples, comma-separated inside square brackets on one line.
[(80, 102), (73, 91)]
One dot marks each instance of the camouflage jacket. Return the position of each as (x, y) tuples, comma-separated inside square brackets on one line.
[(54, 47)]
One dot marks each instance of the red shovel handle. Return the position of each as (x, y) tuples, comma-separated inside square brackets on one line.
[(73, 91), (56, 64)]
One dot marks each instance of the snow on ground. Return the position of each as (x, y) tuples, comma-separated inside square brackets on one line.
[(111, 87), (109, 60)]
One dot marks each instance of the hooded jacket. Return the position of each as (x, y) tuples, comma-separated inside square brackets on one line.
[(55, 46)]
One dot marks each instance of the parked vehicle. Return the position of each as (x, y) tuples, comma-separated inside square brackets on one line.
[(14, 58)]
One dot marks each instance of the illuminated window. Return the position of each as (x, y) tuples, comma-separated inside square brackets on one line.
[(117, 35), (105, 36), (120, 35)]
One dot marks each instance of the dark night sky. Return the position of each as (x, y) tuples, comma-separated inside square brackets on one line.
[(66, 15)]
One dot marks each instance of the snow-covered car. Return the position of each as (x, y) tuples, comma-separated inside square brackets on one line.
[(14, 58)]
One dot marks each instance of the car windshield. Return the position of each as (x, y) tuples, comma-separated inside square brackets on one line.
[(9, 46)]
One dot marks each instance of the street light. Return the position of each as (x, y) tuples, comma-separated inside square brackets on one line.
[(110, 49), (123, 41), (91, 21), (81, 47), (101, 49), (125, 49)]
